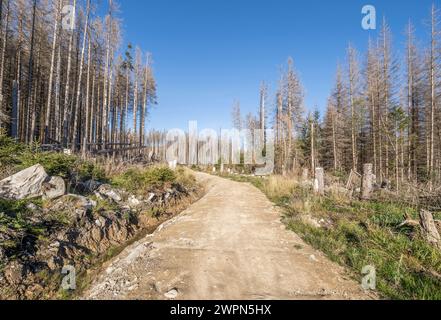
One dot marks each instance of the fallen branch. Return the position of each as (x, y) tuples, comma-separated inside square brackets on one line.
[(409, 223)]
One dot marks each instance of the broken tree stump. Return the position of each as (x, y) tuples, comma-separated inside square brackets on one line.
[(305, 175), (319, 181), (367, 182), (430, 230), (354, 180)]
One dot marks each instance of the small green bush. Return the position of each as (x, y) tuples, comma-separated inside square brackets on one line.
[(90, 171), (20, 156), (10, 151), (158, 176), (185, 178), (140, 181), (55, 164)]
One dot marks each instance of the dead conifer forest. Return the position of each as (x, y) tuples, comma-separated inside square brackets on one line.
[(326, 186)]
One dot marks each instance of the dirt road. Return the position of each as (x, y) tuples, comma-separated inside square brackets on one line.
[(229, 245)]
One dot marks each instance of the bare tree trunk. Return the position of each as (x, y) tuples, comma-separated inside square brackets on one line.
[(262, 112), (374, 136), (87, 127), (58, 124), (51, 71), (433, 93), (30, 72), (135, 103), (106, 78), (2, 65), (334, 141), (126, 107), (144, 106), (352, 79), (93, 110), (66, 108), (80, 76)]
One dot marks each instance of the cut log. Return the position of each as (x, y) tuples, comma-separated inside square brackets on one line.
[(430, 230), (367, 182)]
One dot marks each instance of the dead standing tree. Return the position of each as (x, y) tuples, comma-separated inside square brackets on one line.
[(367, 182)]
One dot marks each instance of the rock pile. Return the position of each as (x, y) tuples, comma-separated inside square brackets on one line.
[(70, 229)]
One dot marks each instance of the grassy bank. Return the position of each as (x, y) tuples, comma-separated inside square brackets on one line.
[(28, 227), (356, 234)]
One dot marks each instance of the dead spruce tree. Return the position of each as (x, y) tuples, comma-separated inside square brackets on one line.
[(66, 77)]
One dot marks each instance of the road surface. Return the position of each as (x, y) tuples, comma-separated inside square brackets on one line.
[(229, 245)]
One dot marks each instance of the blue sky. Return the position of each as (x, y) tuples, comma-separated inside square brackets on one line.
[(209, 53)]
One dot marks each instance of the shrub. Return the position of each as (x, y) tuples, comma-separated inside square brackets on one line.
[(140, 181), (90, 171), (158, 176), (55, 164), (185, 178), (19, 156), (10, 151)]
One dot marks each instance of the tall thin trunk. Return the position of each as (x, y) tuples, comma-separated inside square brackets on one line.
[(51, 71), (66, 109), (2, 63), (86, 124), (80, 77), (31, 67), (105, 120)]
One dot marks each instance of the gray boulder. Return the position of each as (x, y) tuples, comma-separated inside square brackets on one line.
[(54, 188), (107, 192), (133, 202), (26, 184), (91, 185)]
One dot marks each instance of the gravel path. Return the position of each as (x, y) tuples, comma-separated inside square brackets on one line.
[(230, 244)]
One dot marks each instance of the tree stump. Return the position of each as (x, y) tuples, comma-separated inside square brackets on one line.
[(430, 230), (367, 182), (305, 175), (319, 181)]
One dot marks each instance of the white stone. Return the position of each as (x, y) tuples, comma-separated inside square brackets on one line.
[(107, 191), (54, 188), (172, 294), (133, 201), (26, 184)]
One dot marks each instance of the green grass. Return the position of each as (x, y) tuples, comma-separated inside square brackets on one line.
[(361, 234), (140, 181), (14, 220)]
